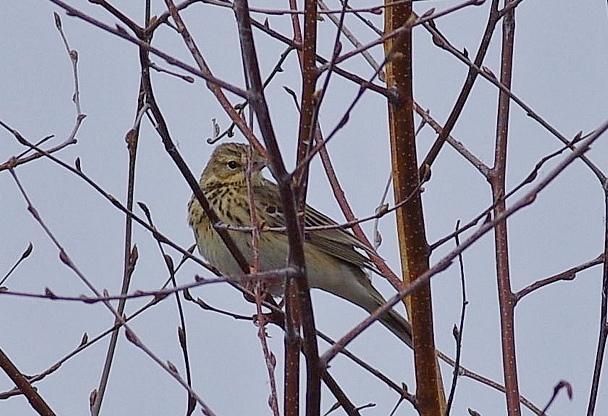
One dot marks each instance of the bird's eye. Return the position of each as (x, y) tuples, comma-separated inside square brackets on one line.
[(232, 164)]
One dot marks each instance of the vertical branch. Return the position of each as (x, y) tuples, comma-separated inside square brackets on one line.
[(295, 260), (309, 82), (291, 341), (307, 57), (457, 331), (410, 221), (291, 399), (297, 30), (603, 335), (308, 107), (269, 357), (132, 139), (497, 178)]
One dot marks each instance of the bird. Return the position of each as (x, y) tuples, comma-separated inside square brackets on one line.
[(336, 260)]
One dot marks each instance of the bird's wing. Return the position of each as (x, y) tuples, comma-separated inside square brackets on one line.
[(337, 242)]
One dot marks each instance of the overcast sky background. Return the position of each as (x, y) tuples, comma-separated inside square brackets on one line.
[(560, 67)]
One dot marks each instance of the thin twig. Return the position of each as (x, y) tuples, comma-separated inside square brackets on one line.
[(120, 32), (562, 385), (458, 331), (278, 276), (23, 256), (569, 274), (468, 84), (182, 332), (130, 251), (603, 317)]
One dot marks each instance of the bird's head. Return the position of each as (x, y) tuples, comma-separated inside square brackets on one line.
[(229, 163)]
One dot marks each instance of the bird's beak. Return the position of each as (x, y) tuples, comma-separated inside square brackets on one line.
[(259, 162)]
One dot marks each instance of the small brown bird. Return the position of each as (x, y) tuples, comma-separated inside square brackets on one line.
[(335, 259)]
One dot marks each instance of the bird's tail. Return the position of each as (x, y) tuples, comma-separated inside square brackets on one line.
[(391, 319), (367, 297)]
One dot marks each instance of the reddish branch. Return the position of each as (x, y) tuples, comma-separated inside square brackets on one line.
[(291, 399), (295, 259), (506, 298), (410, 222)]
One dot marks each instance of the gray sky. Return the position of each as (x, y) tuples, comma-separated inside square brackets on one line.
[(561, 58)]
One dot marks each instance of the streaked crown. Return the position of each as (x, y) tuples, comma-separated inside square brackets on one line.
[(228, 166)]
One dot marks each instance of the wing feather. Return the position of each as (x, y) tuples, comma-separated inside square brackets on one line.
[(337, 242)]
